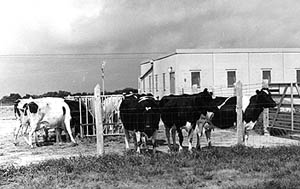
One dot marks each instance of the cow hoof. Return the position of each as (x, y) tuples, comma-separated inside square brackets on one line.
[(209, 144), (74, 144), (180, 149)]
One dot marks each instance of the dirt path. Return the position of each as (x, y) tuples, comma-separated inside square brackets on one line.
[(24, 155)]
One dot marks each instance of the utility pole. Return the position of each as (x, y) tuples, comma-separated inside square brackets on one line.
[(102, 70)]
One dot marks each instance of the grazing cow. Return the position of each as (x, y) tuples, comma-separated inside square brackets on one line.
[(224, 111), (86, 117), (140, 114), (46, 113), (183, 111), (111, 111), (19, 106)]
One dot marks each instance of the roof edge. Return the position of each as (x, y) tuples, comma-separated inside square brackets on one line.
[(160, 58), (238, 50)]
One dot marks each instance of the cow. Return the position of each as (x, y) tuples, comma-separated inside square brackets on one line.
[(111, 111), (45, 113), (224, 110), (19, 106), (141, 115), (182, 112), (85, 117)]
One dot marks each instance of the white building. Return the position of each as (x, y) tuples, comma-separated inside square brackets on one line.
[(192, 70)]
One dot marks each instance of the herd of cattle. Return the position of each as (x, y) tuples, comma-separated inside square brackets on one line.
[(141, 114)]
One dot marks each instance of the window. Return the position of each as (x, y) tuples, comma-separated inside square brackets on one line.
[(266, 74), (230, 79), (156, 82), (150, 83), (195, 79), (144, 85), (298, 76), (164, 81)]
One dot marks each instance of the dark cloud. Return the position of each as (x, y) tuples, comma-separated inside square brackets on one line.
[(162, 26)]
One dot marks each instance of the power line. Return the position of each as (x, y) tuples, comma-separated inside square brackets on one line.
[(83, 54)]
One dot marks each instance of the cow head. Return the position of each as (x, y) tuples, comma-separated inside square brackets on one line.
[(25, 110), (203, 101), (264, 98)]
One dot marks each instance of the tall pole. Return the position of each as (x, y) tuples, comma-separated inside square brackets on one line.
[(266, 122), (239, 111), (99, 124), (102, 70)]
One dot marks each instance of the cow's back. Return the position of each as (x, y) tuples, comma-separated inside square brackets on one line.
[(53, 111), (128, 111)]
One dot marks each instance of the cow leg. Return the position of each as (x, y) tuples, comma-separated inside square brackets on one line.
[(167, 129), (144, 142), (58, 132), (173, 130), (198, 146), (154, 143), (126, 139), (16, 133), (180, 136), (138, 140), (190, 138), (199, 131), (208, 136), (248, 126), (32, 134), (46, 135)]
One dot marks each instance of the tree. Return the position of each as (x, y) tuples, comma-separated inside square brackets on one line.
[(8, 100)]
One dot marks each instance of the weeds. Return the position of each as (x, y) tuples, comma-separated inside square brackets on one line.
[(280, 165)]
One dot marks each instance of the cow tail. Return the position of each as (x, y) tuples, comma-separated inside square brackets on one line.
[(67, 113)]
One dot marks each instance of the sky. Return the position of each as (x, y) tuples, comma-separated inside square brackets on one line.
[(51, 45)]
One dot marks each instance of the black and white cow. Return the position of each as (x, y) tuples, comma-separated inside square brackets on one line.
[(224, 111), (19, 106), (111, 112), (45, 113), (140, 114), (182, 112), (85, 117)]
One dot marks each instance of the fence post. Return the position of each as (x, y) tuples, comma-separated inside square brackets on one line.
[(266, 122), (239, 113), (99, 124), (292, 106)]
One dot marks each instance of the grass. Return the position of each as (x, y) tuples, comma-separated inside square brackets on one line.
[(236, 167)]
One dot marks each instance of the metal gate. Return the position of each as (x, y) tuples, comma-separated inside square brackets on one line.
[(287, 114), (84, 116)]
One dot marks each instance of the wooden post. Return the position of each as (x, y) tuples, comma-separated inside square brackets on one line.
[(292, 106), (80, 117), (239, 113), (99, 124), (266, 122)]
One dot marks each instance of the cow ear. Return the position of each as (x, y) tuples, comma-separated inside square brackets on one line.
[(25, 107), (205, 90), (257, 91)]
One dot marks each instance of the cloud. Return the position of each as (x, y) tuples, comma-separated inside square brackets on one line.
[(97, 26)]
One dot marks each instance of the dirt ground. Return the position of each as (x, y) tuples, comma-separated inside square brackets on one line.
[(22, 154)]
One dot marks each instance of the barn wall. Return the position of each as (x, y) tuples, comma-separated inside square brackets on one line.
[(214, 64), (160, 68), (291, 64), (265, 61), (194, 62)]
